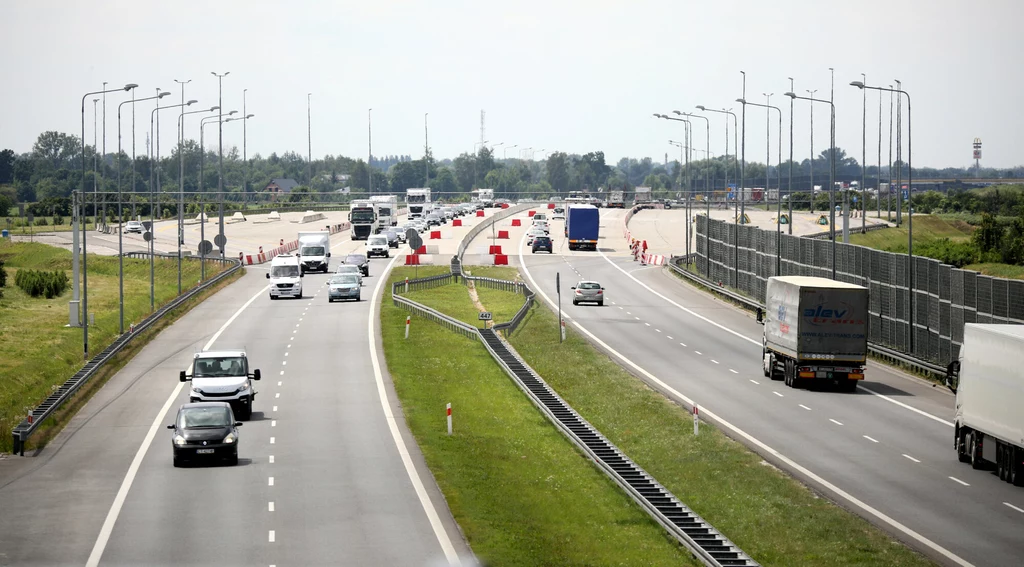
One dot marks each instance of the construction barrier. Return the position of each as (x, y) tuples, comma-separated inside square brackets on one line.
[(517, 222), (504, 205), (503, 234), (457, 222), (531, 213), (435, 234), (500, 260), (551, 205), (494, 249), (653, 259), (479, 213), (421, 250), (412, 260)]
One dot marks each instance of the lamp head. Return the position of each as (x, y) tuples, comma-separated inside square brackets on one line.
[(232, 112), (212, 108), (791, 95), (249, 116), (701, 107), (741, 101), (130, 86), (858, 84), (191, 102), (677, 112), (163, 94)]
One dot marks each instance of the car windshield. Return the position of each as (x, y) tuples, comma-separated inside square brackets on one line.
[(355, 259), (542, 240), (134, 223), (284, 271), (348, 268), (219, 366), (362, 215), (217, 416), (312, 251), (345, 279), (378, 240), (589, 285)]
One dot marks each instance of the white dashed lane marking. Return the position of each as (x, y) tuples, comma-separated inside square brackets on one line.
[(911, 458), (682, 344), (670, 338), (834, 421), (955, 479), (272, 440), (805, 407), (270, 506), (733, 371), (778, 394), (271, 459), (277, 395), (715, 361), (271, 536), (275, 408), (273, 422), (1014, 507), (270, 481), (870, 439), (648, 324), (698, 352), (756, 382)]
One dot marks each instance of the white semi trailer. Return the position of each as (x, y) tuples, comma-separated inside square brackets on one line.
[(387, 210), (988, 379)]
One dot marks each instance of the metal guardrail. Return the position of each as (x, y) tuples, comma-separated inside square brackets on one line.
[(436, 316), (54, 401), (878, 350)]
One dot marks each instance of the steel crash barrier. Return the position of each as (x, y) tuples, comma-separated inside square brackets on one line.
[(37, 416)]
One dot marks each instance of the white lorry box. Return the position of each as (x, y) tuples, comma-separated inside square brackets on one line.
[(989, 415), (315, 251), (285, 276)]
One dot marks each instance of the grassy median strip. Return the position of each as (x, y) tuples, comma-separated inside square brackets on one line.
[(503, 305), (521, 492), (771, 516), (40, 352)]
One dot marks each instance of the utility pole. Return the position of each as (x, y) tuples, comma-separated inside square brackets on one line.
[(426, 151), (220, 149), (309, 142), (369, 139)]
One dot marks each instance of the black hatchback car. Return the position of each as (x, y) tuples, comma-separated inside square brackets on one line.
[(205, 430), (542, 243), (392, 235), (361, 261)]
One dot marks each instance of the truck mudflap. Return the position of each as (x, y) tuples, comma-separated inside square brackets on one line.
[(831, 372)]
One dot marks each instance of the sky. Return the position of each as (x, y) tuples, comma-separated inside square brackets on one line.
[(554, 75)]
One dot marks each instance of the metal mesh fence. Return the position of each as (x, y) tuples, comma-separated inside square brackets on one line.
[(927, 322)]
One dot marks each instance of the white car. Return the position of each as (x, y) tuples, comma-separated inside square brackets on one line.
[(377, 245), (558, 214), (533, 233), (134, 226)]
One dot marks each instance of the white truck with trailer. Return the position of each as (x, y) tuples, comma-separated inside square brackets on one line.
[(223, 376), (362, 215), (815, 330), (988, 379), (387, 210), (641, 196), (418, 201), (314, 251), (485, 197)]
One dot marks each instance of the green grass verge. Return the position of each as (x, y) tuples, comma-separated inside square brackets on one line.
[(520, 491), (502, 304), (771, 516), (49, 227), (927, 228), (40, 353)]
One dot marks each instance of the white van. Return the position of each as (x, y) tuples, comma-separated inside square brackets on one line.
[(378, 246), (540, 217), (285, 276)]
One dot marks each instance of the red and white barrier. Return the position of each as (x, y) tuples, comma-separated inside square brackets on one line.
[(653, 259), (500, 260)]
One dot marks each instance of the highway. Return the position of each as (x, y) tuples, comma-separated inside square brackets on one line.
[(885, 452), (328, 473)]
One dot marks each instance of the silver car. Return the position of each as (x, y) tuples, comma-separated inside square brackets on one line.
[(588, 291), (344, 286), (350, 269)]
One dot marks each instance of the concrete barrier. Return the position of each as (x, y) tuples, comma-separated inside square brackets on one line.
[(237, 217)]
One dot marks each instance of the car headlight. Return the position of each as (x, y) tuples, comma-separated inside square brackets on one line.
[(197, 391), (230, 438), (179, 440), (245, 386)]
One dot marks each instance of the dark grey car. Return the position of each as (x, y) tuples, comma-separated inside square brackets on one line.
[(205, 430)]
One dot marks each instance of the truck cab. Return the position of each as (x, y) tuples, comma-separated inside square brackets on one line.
[(222, 376), (315, 251)]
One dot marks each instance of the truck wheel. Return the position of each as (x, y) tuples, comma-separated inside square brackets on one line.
[(1016, 476), (850, 386), (767, 365), (1001, 461), (975, 450), (790, 374), (961, 447)]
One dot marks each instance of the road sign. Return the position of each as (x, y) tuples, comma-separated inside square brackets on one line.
[(415, 241), (558, 283), (147, 225), (485, 316), (205, 247), (147, 236), (220, 240), (905, 194), (854, 198)]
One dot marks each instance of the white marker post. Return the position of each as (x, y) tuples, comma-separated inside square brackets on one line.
[(449, 419), (406, 285), (695, 420), (408, 320)]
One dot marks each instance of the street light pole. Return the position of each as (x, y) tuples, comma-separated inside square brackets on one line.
[(811, 93), (103, 157), (202, 189), (245, 142), (181, 183), (181, 176), (85, 271), (833, 159), (309, 141), (369, 141), (220, 151), (778, 227), (864, 152), (120, 199), (426, 151), (790, 199), (910, 212)]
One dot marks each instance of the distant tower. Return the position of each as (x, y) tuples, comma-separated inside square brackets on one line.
[(666, 160), (977, 157), (482, 132)]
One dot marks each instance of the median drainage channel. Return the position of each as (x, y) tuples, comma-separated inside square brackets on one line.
[(705, 542)]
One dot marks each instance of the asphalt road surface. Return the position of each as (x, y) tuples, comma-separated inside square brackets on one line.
[(328, 473), (885, 452)]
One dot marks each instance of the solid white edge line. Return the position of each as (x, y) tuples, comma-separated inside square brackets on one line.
[(746, 338), (396, 434), (753, 440), (133, 469)]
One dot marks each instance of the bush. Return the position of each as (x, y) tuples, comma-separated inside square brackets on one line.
[(41, 221), (58, 220), (3, 275), (38, 283)]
